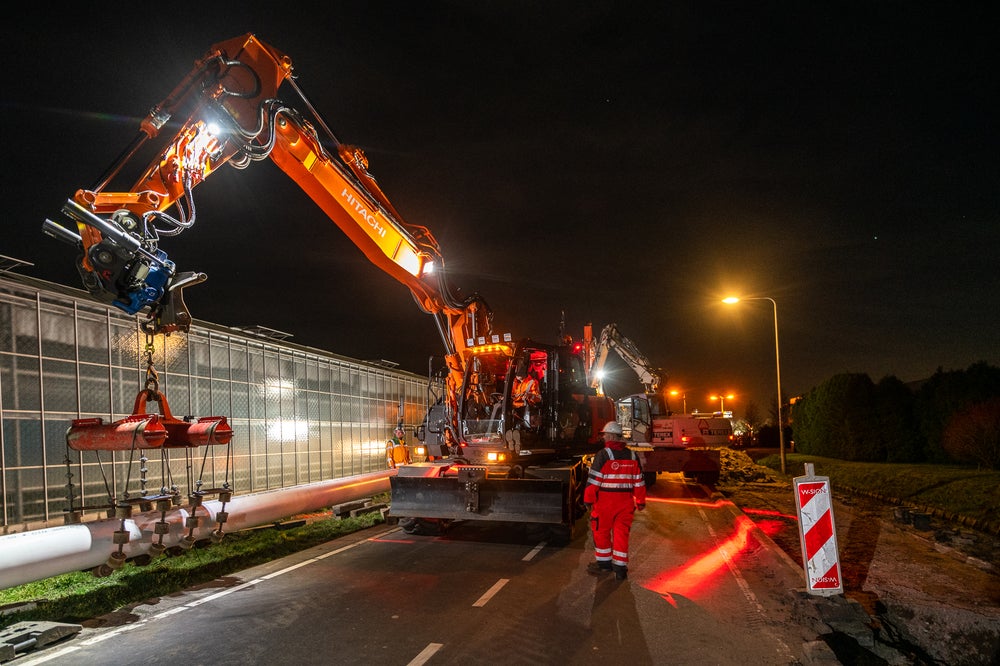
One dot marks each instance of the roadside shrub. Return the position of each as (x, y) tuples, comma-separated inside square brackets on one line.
[(947, 393), (850, 418), (973, 434), (897, 435), (837, 420)]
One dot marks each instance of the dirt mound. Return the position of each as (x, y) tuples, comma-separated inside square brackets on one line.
[(738, 467)]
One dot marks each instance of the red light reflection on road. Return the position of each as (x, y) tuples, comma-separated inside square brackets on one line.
[(704, 569), (767, 512), (771, 527), (781, 522), (717, 504)]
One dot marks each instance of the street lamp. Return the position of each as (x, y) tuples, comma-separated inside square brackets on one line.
[(722, 400), (684, 398), (777, 365)]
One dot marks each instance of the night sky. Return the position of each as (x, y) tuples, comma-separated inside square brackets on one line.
[(629, 163)]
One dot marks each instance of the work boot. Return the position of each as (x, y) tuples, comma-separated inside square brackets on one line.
[(621, 573), (598, 568)]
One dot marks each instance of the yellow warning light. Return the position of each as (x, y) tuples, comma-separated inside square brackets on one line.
[(492, 348)]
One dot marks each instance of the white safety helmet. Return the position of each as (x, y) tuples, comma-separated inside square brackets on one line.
[(613, 428)]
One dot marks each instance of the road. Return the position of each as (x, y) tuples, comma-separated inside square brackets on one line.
[(704, 587)]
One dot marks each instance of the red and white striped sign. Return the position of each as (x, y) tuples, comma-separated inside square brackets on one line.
[(817, 534)]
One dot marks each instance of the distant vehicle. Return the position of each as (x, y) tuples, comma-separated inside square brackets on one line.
[(681, 443)]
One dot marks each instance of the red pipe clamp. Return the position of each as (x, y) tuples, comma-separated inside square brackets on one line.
[(147, 431), (191, 431)]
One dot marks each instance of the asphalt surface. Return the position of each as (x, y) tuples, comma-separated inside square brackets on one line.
[(704, 586)]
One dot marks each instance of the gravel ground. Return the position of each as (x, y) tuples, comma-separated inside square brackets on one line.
[(932, 592)]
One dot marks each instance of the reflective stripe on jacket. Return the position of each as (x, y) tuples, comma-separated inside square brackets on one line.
[(615, 474)]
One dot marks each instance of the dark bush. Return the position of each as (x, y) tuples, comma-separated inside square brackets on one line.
[(850, 418), (835, 419), (973, 434), (946, 393), (897, 435)]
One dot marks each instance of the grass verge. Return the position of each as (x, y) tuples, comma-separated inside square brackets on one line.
[(962, 494)]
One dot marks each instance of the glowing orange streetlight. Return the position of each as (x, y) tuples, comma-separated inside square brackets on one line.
[(684, 398), (777, 364), (722, 400)]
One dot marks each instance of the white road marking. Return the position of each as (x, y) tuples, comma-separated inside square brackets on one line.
[(534, 551), (47, 657), (426, 654), (483, 600)]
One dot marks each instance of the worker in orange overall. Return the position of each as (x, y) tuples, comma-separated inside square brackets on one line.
[(615, 489), (396, 451), (526, 393)]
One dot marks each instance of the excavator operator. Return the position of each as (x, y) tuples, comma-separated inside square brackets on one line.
[(527, 393)]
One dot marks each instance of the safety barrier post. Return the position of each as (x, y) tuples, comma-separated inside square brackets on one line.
[(818, 534)]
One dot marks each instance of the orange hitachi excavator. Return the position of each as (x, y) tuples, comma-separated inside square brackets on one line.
[(229, 111)]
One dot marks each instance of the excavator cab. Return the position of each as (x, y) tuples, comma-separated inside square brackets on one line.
[(481, 413), (635, 417), (520, 404), (503, 466)]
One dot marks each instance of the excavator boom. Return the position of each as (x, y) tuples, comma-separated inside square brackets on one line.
[(612, 339), (232, 114)]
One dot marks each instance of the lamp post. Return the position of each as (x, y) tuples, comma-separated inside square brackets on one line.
[(684, 399), (777, 365), (722, 400)]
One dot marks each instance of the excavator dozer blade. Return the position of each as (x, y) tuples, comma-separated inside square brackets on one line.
[(454, 498)]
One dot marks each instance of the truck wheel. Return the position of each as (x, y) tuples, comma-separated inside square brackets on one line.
[(649, 478)]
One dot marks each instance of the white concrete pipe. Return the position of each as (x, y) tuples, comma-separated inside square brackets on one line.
[(29, 556)]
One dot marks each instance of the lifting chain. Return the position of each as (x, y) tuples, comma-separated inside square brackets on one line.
[(152, 378)]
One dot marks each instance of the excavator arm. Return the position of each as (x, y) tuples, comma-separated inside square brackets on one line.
[(232, 114), (612, 339)]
